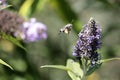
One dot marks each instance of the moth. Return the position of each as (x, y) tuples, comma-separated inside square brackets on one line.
[(66, 29)]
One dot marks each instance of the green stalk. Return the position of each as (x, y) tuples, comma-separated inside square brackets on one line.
[(106, 60), (84, 63)]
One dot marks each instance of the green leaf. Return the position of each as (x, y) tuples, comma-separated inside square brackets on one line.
[(4, 7), (96, 66), (13, 40), (93, 68), (73, 69), (55, 66), (25, 9), (4, 63), (41, 4), (76, 72)]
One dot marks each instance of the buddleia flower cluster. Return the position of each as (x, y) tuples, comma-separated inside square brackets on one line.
[(3, 2), (10, 22), (32, 30), (89, 42), (15, 25)]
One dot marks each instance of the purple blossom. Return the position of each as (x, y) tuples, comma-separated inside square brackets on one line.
[(32, 31), (3, 3), (89, 41)]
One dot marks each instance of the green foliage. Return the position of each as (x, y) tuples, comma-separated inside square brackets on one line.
[(93, 68), (76, 72), (105, 11), (56, 66), (73, 69), (30, 6), (4, 63), (111, 59), (4, 7), (12, 39), (40, 5), (25, 9), (97, 66), (66, 13)]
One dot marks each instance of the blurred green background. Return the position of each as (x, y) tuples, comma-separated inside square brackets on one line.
[(58, 48)]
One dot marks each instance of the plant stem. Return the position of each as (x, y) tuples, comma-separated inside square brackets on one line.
[(84, 63), (110, 59)]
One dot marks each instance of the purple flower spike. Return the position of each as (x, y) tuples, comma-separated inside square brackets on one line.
[(32, 31), (89, 41)]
